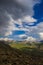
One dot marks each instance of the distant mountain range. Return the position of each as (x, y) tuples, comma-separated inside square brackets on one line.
[(41, 41), (24, 42)]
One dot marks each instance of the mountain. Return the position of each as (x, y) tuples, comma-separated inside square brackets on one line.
[(13, 56), (41, 41)]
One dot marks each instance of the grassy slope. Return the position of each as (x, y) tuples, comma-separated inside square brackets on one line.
[(18, 45), (14, 56), (21, 45)]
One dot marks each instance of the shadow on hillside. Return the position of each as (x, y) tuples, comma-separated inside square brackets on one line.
[(32, 51)]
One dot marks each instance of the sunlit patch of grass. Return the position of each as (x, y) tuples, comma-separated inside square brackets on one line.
[(18, 45), (21, 45)]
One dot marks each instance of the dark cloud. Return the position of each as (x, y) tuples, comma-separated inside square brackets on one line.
[(3, 18), (13, 8), (16, 9)]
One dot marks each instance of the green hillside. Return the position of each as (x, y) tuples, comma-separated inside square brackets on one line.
[(29, 45), (21, 56)]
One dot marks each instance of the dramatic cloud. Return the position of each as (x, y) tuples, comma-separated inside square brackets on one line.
[(5, 39), (30, 39), (17, 15), (29, 19), (41, 35), (27, 38), (23, 36), (18, 8), (35, 32)]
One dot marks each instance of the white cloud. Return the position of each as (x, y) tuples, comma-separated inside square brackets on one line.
[(19, 14), (30, 39), (8, 33), (22, 35), (11, 26), (36, 31), (26, 37), (28, 30), (1, 38), (29, 19), (6, 39), (41, 35)]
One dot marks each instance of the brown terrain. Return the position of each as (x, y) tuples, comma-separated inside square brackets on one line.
[(13, 56)]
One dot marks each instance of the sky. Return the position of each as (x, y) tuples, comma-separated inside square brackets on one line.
[(21, 20)]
